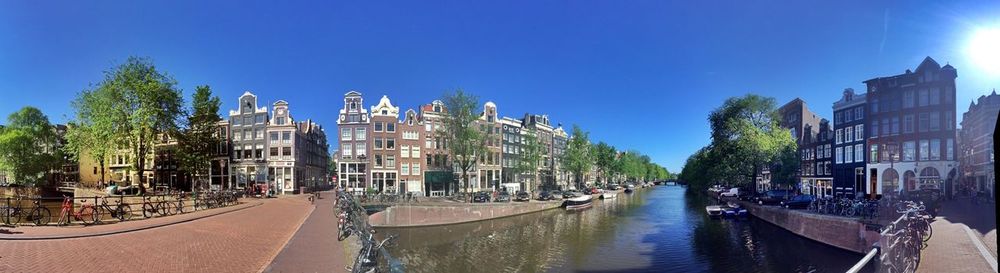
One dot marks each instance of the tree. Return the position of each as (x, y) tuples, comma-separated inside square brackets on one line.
[(530, 156), (465, 140), (577, 158), (604, 157), (92, 132), (29, 146), (145, 103), (197, 142)]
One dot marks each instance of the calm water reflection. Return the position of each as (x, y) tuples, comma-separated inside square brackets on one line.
[(654, 230)]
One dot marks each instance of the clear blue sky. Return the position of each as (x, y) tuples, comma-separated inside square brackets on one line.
[(637, 74)]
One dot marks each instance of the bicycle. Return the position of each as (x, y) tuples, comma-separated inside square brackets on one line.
[(122, 212), (179, 207), (151, 208), (87, 214), (38, 214)]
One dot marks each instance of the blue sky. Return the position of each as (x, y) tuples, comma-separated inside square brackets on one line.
[(638, 74)]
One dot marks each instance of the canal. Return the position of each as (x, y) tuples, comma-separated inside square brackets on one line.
[(660, 229)]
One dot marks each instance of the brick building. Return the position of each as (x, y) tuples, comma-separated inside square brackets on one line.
[(411, 156), (849, 144), (352, 126), (976, 145)]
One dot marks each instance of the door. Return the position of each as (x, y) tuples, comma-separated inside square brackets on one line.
[(873, 189)]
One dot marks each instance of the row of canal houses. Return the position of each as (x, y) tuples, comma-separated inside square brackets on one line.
[(897, 137), (386, 150)]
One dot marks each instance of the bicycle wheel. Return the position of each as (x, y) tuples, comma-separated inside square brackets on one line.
[(87, 215), (148, 210), (163, 208), (179, 208), (927, 234), (41, 216), (11, 216), (124, 213)]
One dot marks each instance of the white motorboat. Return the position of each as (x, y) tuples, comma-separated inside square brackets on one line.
[(579, 202), (609, 194), (715, 210)]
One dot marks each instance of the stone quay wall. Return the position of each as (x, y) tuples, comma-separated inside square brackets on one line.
[(446, 214), (840, 232)]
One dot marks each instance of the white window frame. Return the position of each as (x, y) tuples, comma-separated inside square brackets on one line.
[(839, 137), (859, 152), (838, 155), (848, 154), (360, 134), (415, 151), (345, 149), (346, 134), (859, 131), (404, 151), (848, 134)]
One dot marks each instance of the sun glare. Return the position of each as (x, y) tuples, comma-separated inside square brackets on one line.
[(984, 50)]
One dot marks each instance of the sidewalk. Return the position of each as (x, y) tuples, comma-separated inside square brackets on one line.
[(138, 223), (957, 232), (314, 247)]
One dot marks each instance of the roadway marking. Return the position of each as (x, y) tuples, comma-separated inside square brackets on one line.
[(982, 249)]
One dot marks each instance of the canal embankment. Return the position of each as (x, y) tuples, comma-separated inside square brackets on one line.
[(446, 214), (841, 232)]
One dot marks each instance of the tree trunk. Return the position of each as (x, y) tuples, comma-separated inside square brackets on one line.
[(102, 172)]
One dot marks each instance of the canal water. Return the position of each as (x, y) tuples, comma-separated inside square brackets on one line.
[(659, 229)]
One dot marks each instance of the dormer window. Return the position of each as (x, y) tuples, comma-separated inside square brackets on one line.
[(385, 112), (437, 108), (354, 105)]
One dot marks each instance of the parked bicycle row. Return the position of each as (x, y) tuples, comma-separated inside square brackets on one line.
[(353, 220), (107, 209), (903, 239), (387, 198)]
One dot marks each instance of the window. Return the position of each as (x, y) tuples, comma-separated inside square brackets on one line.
[(247, 120), (826, 151), (874, 104), (390, 144), (248, 135), (859, 113), (935, 122), (886, 127), (909, 150), (415, 152), (286, 137), (428, 143), (274, 137), (848, 134), (346, 149), (949, 121), (935, 153), (258, 153), (390, 127), (404, 168), (345, 134), (378, 144), (908, 124), (280, 120), (260, 119), (839, 136), (859, 152), (848, 154), (935, 96), (236, 121), (924, 149), (378, 126), (908, 99), (873, 154), (404, 151), (416, 169), (390, 161), (859, 131), (922, 97), (839, 157), (923, 122), (361, 149), (874, 128), (378, 160), (274, 152), (950, 152), (848, 116), (360, 134), (427, 127), (895, 125)]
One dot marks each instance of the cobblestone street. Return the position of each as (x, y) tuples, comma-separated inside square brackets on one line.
[(953, 245), (245, 240)]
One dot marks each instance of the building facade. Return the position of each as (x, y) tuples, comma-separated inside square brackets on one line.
[(488, 165), (219, 172), (384, 137), (911, 125), (976, 146), (815, 168), (411, 153), (539, 126), (248, 126), (849, 144), (512, 179), (559, 174), (352, 126), (801, 122), (439, 177)]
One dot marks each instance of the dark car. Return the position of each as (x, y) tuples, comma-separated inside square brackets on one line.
[(571, 194), (556, 194), (481, 197), (798, 202), (503, 196), (522, 196), (773, 197), (747, 196), (546, 195)]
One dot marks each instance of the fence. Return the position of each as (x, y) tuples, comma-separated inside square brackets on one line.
[(898, 249), (371, 248), (42, 211)]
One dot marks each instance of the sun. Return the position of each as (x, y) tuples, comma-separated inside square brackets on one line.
[(984, 50)]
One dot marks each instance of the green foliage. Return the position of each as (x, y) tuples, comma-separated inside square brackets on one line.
[(197, 141), (93, 131), (28, 146), (604, 157), (531, 154), (578, 158), (465, 140)]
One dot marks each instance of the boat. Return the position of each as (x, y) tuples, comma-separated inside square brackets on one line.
[(629, 188), (609, 194), (579, 202), (735, 210), (715, 210)]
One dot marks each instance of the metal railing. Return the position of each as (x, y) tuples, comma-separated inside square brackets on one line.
[(372, 250), (894, 248), (41, 211)]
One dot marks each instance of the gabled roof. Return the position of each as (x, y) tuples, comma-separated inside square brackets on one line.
[(353, 93), (928, 63)]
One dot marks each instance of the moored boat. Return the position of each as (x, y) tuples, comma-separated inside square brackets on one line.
[(579, 202), (629, 188), (609, 194), (715, 210)]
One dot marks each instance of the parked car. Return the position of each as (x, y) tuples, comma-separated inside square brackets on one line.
[(481, 197), (774, 197), (557, 194), (570, 194), (731, 193), (503, 196), (522, 196), (747, 196), (798, 202), (546, 196)]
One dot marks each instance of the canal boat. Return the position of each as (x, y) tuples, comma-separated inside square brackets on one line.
[(735, 210), (579, 202), (609, 194), (715, 210), (629, 188)]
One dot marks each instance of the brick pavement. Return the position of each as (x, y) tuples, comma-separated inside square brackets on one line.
[(951, 249), (315, 248), (241, 241)]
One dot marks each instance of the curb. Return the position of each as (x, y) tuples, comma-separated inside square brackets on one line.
[(106, 233)]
